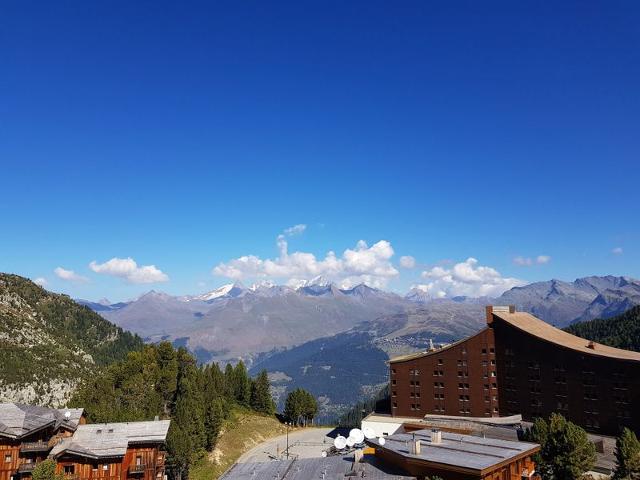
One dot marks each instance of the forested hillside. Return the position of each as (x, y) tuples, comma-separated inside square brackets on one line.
[(168, 383), (49, 343), (622, 331)]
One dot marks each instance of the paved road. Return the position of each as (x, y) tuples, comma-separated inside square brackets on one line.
[(306, 443)]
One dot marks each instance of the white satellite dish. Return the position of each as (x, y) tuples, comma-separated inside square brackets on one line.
[(350, 442), (323, 454), (381, 441), (369, 433), (67, 415), (357, 435), (340, 442)]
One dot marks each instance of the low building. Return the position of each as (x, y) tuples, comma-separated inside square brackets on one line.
[(114, 451), (520, 364), (28, 433), (427, 453)]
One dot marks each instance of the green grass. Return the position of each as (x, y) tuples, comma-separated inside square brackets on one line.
[(243, 431)]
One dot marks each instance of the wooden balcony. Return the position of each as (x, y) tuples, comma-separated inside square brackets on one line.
[(26, 467), (137, 469), (34, 447)]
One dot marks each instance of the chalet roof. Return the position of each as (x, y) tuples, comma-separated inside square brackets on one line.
[(111, 439), (18, 420), (456, 450), (437, 351), (542, 330)]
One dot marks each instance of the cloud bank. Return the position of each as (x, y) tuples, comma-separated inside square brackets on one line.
[(69, 275), (466, 279), (128, 269), (528, 261), (362, 264)]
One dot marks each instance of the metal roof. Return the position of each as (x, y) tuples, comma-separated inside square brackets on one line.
[(111, 439), (455, 450), (541, 329), (18, 420)]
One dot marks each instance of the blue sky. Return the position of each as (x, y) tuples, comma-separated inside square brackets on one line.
[(186, 135)]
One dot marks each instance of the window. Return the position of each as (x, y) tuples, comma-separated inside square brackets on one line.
[(69, 469), (7, 458), (484, 351), (393, 382), (105, 467), (139, 460), (440, 361), (393, 371)]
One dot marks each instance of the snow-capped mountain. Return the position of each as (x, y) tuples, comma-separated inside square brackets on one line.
[(231, 290)]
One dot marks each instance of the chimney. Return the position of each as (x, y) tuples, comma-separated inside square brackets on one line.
[(512, 309), (591, 345), (489, 309), (436, 436)]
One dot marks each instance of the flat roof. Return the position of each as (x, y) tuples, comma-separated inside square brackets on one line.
[(387, 418), (538, 328), (316, 468), (456, 450)]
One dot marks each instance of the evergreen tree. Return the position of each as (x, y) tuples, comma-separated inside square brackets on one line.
[(46, 470), (241, 384), (214, 417), (627, 456), (261, 400), (189, 407), (300, 407), (180, 448), (566, 452), (166, 384)]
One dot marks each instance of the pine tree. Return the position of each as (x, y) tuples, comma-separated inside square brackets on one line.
[(300, 407), (566, 452), (627, 456), (241, 384), (180, 448), (189, 411), (214, 416), (261, 400)]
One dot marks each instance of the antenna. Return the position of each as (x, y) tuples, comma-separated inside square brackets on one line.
[(340, 442), (369, 433)]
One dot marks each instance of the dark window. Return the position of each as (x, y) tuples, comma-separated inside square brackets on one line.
[(69, 469)]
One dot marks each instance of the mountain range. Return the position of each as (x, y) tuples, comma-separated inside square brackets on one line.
[(310, 335)]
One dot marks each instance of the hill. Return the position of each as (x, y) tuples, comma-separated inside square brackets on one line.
[(49, 343), (622, 331)]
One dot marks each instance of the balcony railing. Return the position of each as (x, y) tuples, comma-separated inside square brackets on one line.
[(34, 447), (137, 469), (26, 467)]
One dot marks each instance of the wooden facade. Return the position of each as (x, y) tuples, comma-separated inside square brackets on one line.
[(141, 462)]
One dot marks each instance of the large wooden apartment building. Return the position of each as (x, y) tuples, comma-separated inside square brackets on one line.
[(520, 364), (111, 451)]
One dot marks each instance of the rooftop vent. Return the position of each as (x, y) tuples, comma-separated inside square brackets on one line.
[(99, 431), (110, 430), (591, 345), (436, 436)]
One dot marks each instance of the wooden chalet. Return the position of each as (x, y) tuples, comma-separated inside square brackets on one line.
[(28, 433)]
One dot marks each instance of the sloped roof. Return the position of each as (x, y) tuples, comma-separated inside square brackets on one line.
[(437, 351), (18, 420), (111, 439), (542, 330)]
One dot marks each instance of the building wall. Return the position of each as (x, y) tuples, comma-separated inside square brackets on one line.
[(537, 378), (460, 380), (122, 468), (9, 448), (12, 448)]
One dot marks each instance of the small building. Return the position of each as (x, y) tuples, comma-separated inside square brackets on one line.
[(29, 432), (114, 451), (426, 453)]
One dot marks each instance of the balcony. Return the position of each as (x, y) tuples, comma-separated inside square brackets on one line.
[(137, 469), (26, 467), (34, 447)]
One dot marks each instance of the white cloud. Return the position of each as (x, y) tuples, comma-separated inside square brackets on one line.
[(129, 270), (407, 261), (69, 275), (295, 230), (40, 281), (617, 251), (528, 261), (466, 278), (362, 264)]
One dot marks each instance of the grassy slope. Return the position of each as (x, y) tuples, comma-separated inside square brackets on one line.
[(243, 431)]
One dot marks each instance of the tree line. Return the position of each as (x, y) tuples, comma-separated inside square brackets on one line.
[(160, 381), (622, 331), (567, 453)]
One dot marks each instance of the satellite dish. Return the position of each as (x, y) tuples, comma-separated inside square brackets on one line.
[(357, 435), (67, 415), (369, 433), (381, 441), (323, 454), (340, 442), (350, 442)]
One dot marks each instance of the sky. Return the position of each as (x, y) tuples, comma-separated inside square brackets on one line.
[(465, 147)]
